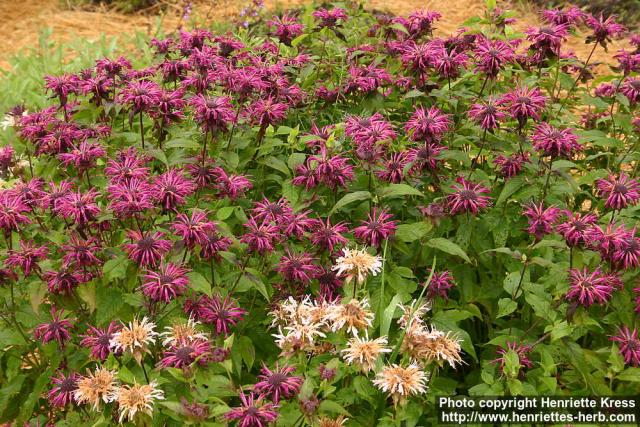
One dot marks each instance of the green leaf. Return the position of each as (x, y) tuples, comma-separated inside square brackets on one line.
[(109, 303), (247, 351), (334, 407), (413, 232), (629, 374), (449, 247), (350, 198), (199, 283), (26, 407), (387, 316), (559, 330), (509, 188), (398, 190), (224, 213), (277, 164), (506, 306), (115, 268)]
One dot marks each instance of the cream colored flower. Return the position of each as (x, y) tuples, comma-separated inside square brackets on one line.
[(358, 264), (413, 313), (354, 316), (328, 422), (365, 352), (136, 399), (96, 387), (135, 338), (182, 333), (401, 382)]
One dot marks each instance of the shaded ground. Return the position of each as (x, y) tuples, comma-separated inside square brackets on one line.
[(23, 20)]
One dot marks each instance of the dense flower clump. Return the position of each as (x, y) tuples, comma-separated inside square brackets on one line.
[(327, 219)]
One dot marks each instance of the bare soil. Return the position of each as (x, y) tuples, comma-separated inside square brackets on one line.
[(23, 20)]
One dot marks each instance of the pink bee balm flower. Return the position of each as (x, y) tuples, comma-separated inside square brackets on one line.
[(213, 244), (56, 330), (604, 30), (524, 103), (487, 115), (467, 197), (185, 354), (328, 236), (285, 28), (440, 285), (512, 165), (621, 191), (171, 189), (84, 156), (98, 340), (298, 267), (631, 89), (61, 394), (214, 114), (626, 252), (377, 228), (222, 313), (428, 125), (541, 220), (260, 237), (27, 257), (81, 208), (588, 288), (278, 383), (267, 111), (629, 345), (147, 249), (169, 282), (425, 157), (574, 228), (253, 412), (141, 95), (80, 252), (232, 186), (63, 282), (127, 165), (12, 211), (393, 168), (193, 229), (555, 142), (330, 17)]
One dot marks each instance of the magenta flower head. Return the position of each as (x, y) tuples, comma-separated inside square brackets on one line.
[(131, 197), (330, 17), (267, 111), (325, 235), (127, 165), (467, 197), (487, 115), (629, 345), (626, 252), (193, 229), (588, 288), (63, 281), (285, 28), (62, 86), (278, 212), (392, 169), (570, 16), (184, 355), (631, 89), (575, 227), (98, 340), (620, 192), (27, 257), (604, 30), (61, 394), (166, 284), (79, 207), (12, 211), (261, 237), (84, 156), (428, 125), (546, 40), (449, 63), (524, 103), (56, 330), (441, 283), (223, 314), (171, 189), (141, 95), (253, 412), (278, 383), (214, 114), (213, 244), (378, 227), (512, 165), (232, 186), (541, 220), (298, 267), (554, 142), (605, 90), (147, 249), (492, 55), (424, 157), (522, 350)]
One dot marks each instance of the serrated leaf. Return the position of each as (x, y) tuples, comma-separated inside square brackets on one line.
[(199, 283), (398, 190), (509, 188), (412, 232), (506, 306)]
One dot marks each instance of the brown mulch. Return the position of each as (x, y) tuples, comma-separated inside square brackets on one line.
[(23, 20)]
